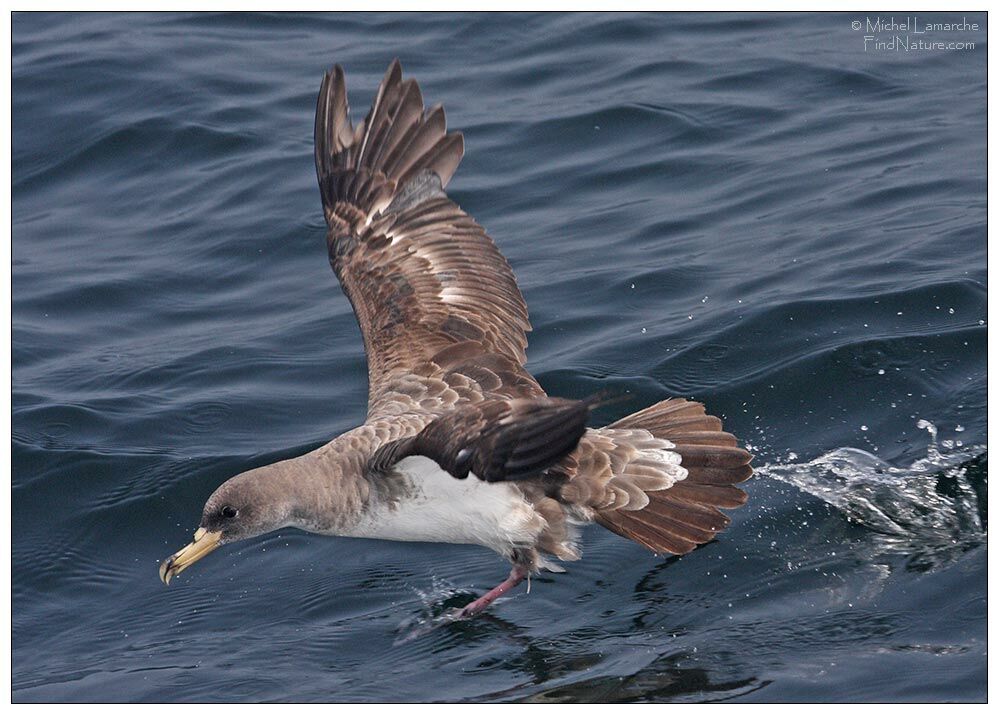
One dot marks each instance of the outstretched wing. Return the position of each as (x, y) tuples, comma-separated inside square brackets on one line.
[(427, 284)]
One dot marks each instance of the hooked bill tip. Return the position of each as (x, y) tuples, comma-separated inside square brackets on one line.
[(165, 573)]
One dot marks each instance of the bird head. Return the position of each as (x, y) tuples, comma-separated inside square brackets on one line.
[(247, 505)]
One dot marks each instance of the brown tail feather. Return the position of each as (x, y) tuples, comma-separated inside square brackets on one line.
[(707, 519), (678, 527), (679, 518), (720, 439), (718, 476), (649, 537), (727, 458)]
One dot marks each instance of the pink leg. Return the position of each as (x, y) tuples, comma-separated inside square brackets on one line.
[(517, 574)]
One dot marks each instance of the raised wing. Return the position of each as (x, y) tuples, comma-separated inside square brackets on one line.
[(426, 282)]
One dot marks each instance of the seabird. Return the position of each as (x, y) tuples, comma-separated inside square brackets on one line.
[(461, 445)]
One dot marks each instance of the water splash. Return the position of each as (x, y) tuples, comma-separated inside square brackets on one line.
[(937, 503), (437, 609)]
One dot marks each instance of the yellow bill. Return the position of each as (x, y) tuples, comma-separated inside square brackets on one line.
[(205, 542)]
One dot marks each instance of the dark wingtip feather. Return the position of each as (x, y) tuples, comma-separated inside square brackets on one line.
[(536, 440), (396, 143)]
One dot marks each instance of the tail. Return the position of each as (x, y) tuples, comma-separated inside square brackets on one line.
[(686, 512), (398, 151)]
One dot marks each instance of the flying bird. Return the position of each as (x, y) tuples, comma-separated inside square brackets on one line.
[(461, 445)]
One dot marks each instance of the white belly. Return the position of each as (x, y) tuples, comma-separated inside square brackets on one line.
[(440, 508)]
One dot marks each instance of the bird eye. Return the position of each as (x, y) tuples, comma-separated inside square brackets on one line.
[(229, 512)]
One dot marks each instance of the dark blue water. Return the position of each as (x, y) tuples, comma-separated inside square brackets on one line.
[(753, 211)]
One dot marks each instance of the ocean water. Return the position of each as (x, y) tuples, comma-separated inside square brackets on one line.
[(756, 211)]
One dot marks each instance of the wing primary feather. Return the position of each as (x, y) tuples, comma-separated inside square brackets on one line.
[(393, 76)]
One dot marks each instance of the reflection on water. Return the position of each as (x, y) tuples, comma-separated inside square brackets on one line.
[(664, 679)]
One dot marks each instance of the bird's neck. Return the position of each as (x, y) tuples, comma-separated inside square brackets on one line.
[(326, 490)]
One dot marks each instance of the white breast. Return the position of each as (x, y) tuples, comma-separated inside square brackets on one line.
[(440, 508)]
